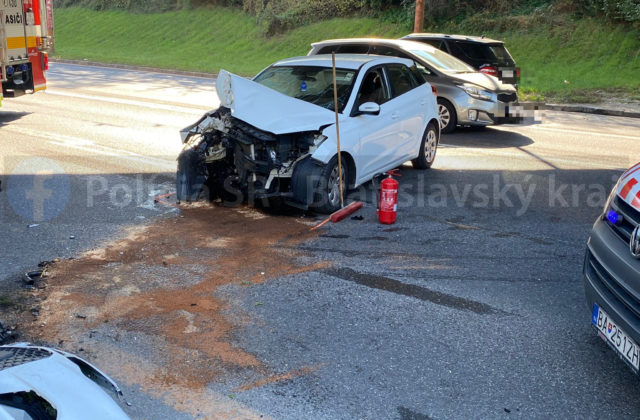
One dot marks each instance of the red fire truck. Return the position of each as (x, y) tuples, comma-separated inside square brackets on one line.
[(26, 38)]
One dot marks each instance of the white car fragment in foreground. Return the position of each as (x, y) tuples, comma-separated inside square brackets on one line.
[(274, 137), (44, 383)]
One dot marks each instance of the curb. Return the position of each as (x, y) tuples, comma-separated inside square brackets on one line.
[(537, 105), (592, 110)]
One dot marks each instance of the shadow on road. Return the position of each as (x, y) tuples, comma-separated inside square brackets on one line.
[(8, 116), (487, 138)]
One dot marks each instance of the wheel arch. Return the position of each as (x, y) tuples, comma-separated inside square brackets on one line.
[(350, 163), (436, 123)]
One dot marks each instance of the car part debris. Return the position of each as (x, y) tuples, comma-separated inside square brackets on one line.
[(31, 277), (45, 383), (5, 333)]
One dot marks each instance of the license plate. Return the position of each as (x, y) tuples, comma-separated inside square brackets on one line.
[(507, 73), (610, 332)]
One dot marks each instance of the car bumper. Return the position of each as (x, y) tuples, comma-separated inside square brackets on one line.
[(476, 112), (612, 278)]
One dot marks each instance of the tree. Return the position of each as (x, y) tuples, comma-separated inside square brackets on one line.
[(419, 21)]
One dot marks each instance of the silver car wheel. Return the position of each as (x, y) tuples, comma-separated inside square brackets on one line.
[(444, 115), (430, 146)]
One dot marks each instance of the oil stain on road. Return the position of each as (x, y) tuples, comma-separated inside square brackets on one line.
[(149, 313)]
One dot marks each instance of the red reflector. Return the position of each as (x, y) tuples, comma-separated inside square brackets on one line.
[(518, 72), (45, 61), (434, 90), (491, 71)]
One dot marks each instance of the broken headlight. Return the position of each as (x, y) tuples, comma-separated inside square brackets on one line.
[(273, 155)]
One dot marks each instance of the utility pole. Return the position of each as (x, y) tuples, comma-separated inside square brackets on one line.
[(418, 24)]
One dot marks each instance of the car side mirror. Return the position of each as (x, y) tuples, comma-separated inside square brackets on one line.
[(370, 108)]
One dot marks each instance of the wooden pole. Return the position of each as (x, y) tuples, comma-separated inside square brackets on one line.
[(335, 106), (418, 25)]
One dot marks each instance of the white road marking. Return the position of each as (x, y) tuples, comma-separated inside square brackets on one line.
[(143, 104)]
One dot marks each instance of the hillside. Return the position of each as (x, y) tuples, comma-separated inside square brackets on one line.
[(561, 55)]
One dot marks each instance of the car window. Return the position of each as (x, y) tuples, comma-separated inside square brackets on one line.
[(344, 49), (438, 43), (401, 79), (492, 54), (328, 49), (440, 60), (388, 51), (310, 84), (419, 73), (353, 49), (503, 56), (373, 88)]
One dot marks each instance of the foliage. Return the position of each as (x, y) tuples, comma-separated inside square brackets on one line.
[(627, 10)]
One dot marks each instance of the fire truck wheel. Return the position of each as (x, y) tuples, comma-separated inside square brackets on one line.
[(428, 148)]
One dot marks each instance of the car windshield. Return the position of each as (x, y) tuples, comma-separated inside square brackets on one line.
[(441, 60), (310, 84)]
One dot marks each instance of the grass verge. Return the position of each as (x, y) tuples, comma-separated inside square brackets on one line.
[(562, 59)]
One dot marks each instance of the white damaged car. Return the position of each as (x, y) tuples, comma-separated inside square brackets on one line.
[(274, 137), (47, 384)]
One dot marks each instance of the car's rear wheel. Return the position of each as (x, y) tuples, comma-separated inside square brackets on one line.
[(428, 148), (448, 116), (328, 193)]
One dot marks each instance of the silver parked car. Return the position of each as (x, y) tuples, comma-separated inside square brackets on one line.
[(612, 270), (465, 96)]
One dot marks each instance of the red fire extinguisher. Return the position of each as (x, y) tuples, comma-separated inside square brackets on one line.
[(388, 201)]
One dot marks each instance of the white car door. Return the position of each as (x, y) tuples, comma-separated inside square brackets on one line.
[(379, 147), (411, 100)]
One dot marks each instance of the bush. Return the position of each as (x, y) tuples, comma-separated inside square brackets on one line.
[(627, 10)]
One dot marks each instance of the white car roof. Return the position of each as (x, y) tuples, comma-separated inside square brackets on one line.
[(343, 61)]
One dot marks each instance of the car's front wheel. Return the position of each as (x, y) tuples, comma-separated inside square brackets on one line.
[(428, 148), (328, 193), (448, 116)]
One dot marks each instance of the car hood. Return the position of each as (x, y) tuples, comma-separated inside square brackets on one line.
[(629, 187), (56, 376), (268, 110), (490, 83)]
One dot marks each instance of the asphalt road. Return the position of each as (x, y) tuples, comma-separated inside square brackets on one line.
[(470, 306)]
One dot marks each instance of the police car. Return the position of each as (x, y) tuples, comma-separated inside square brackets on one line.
[(612, 269)]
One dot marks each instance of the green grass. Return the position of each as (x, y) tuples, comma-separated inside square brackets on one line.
[(561, 58), (199, 40)]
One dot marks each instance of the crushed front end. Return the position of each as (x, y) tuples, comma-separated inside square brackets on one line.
[(228, 159)]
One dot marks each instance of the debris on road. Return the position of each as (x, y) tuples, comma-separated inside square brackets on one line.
[(5, 333), (340, 214)]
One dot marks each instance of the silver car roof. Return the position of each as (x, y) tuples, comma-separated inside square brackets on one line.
[(343, 61)]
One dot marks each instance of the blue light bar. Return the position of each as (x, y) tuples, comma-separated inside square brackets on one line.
[(10, 70), (613, 217)]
